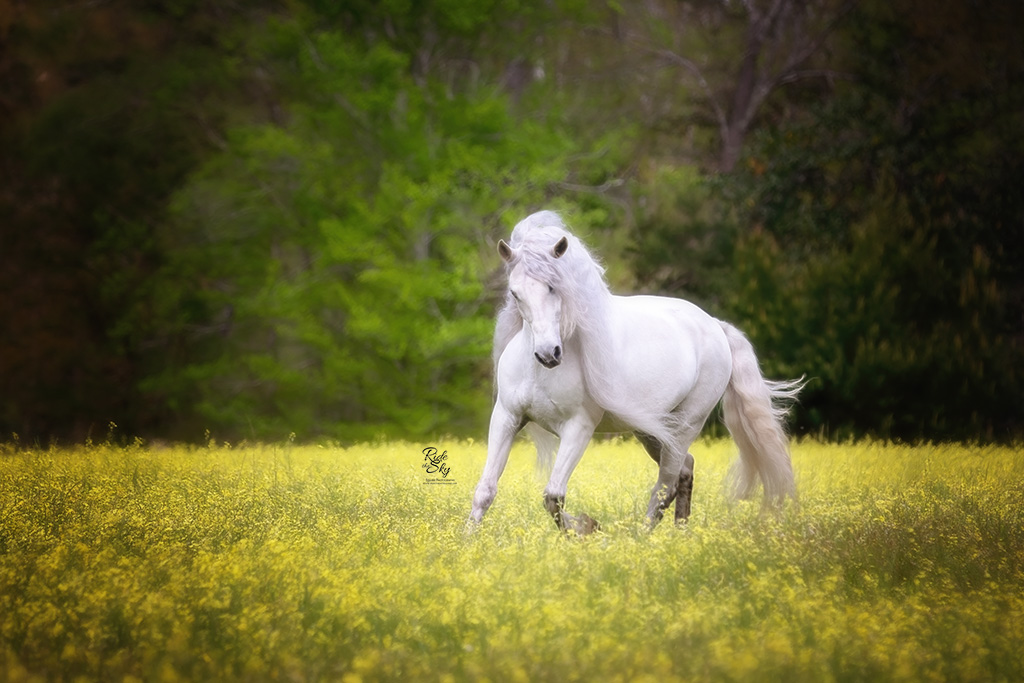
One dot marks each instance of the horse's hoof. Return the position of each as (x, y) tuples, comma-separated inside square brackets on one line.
[(586, 525)]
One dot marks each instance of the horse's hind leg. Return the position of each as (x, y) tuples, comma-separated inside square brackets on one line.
[(684, 488), (654, 448), (651, 445), (684, 492)]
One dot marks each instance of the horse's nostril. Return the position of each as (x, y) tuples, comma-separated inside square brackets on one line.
[(558, 352), (548, 362)]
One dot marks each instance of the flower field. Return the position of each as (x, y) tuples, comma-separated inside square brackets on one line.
[(317, 563)]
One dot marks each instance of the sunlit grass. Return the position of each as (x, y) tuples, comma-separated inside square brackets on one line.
[(307, 563)]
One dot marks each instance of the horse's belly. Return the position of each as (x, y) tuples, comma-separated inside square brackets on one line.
[(610, 424)]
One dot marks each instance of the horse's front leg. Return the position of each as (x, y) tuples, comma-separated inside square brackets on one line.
[(575, 435), (504, 427)]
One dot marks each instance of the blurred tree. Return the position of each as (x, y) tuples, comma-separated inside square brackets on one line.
[(324, 275), (103, 109), (731, 57), (273, 218), (684, 234), (107, 109), (889, 259)]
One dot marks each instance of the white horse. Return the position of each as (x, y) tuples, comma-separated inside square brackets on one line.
[(572, 358)]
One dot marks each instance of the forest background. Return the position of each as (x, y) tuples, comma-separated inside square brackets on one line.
[(278, 217)]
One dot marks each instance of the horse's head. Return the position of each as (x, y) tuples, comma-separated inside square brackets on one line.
[(539, 302)]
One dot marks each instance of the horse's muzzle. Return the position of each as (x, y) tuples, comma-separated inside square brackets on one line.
[(550, 361)]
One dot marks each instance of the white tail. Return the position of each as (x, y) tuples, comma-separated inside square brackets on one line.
[(754, 409)]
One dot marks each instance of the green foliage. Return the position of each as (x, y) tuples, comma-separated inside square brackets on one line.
[(890, 337), (874, 251), (91, 150), (325, 275), (685, 235), (310, 563), (280, 219), (898, 285)]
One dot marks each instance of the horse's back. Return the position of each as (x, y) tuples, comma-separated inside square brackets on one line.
[(673, 318)]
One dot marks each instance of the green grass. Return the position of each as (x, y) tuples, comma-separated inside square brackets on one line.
[(305, 563)]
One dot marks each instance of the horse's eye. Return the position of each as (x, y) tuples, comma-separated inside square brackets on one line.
[(551, 290)]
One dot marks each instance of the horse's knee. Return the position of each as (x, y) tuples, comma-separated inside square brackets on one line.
[(483, 497)]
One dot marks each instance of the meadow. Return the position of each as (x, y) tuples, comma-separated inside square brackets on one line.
[(307, 563)]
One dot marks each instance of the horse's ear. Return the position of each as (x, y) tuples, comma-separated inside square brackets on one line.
[(505, 251), (560, 248)]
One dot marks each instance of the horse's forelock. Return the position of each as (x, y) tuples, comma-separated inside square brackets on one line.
[(536, 255), (577, 276)]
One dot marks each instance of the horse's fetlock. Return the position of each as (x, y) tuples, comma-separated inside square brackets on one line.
[(554, 504)]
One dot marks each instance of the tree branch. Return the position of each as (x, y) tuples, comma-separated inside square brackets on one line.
[(691, 66)]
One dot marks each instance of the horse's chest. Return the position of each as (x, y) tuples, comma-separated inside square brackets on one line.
[(559, 389), (548, 396)]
